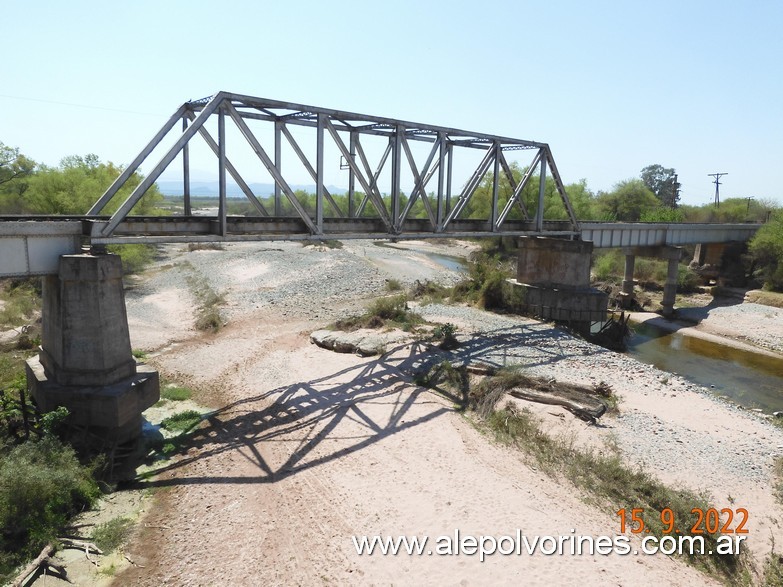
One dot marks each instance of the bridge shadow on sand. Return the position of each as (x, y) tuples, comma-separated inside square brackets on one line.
[(332, 417)]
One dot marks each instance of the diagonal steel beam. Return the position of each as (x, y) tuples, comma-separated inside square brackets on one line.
[(374, 176), (131, 169), (517, 195), (376, 200), (561, 188), (270, 166), (309, 168), (470, 187), (513, 183), (215, 146), (147, 182), (420, 183)]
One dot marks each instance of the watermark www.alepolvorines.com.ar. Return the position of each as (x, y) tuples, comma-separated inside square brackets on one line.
[(519, 544)]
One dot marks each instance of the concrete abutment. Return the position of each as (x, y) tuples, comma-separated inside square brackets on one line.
[(85, 362)]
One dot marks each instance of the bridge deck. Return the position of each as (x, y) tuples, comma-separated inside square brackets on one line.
[(31, 245)]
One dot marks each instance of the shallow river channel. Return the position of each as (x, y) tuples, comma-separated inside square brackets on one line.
[(749, 379)]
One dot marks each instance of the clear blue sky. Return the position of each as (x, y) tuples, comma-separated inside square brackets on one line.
[(611, 86)]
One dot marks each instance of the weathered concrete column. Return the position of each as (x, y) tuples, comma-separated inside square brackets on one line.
[(85, 362), (626, 295), (553, 281), (670, 288)]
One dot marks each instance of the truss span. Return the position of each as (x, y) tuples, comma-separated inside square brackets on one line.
[(375, 203)]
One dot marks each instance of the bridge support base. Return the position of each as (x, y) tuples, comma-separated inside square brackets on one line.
[(85, 363), (554, 278)]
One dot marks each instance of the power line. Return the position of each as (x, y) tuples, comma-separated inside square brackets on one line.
[(73, 105), (717, 177)]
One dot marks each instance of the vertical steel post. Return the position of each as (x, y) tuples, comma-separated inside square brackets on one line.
[(186, 172), (541, 194), (351, 177), (279, 165), (222, 171), (395, 180), (495, 188), (319, 172), (441, 172), (450, 153)]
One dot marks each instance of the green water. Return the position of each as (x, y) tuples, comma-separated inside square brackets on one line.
[(750, 379)]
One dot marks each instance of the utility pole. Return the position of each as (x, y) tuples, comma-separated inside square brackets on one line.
[(717, 177)]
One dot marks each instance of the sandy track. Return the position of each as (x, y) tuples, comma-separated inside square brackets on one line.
[(308, 447)]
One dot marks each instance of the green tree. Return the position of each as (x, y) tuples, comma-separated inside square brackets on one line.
[(15, 170), (662, 181), (767, 250), (627, 202), (74, 186)]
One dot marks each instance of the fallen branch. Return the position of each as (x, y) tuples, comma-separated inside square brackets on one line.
[(580, 409), (79, 545), (41, 561)]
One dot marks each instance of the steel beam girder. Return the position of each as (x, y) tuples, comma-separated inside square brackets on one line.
[(333, 123)]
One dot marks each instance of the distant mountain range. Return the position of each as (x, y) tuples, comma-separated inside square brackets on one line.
[(211, 189)]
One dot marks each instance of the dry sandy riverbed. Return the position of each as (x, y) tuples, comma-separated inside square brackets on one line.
[(307, 448)]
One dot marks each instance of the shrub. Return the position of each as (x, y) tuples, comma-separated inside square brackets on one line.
[(181, 422), (42, 484), (135, 258), (767, 250), (608, 266), (113, 534), (389, 308)]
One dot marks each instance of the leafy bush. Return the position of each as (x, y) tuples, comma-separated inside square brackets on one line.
[(608, 265), (767, 250), (135, 258), (42, 484)]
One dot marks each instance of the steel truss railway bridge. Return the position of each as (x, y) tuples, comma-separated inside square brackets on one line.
[(85, 361), (372, 209)]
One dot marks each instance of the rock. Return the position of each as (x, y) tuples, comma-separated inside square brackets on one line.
[(363, 342)]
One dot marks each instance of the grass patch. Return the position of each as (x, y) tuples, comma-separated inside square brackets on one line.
[(773, 571), (393, 285), (768, 298), (175, 393), (777, 473), (208, 315), (113, 534), (205, 247), (182, 422), (138, 354), (21, 299), (386, 311)]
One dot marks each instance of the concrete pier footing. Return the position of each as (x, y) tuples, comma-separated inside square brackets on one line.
[(85, 362), (553, 278)]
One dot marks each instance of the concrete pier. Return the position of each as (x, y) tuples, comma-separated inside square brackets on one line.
[(85, 362), (672, 255), (553, 276)]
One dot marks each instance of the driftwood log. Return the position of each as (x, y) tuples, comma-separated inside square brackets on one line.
[(41, 561), (585, 408), (584, 401)]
